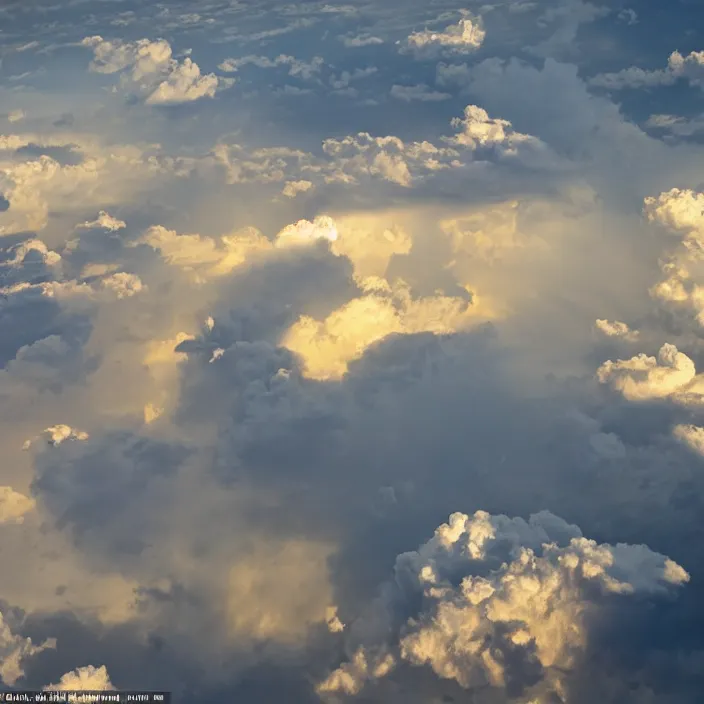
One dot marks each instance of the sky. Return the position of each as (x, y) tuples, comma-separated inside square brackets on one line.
[(353, 352)]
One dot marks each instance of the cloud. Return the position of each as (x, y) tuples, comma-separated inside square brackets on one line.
[(465, 37), (690, 435), (13, 505), (629, 16), (57, 434), (294, 188), (565, 19), (679, 210), (87, 678), (642, 377), (152, 70), (681, 213), (203, 254), (617, 329), (306, 70), (104, 221), (327, 347), (360, 40), (498, 604), (690, 68), (256, 349), (419, 92), (676, 125), (14, 651)]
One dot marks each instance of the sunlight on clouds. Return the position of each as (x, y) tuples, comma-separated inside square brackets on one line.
[(251, 346), (327, 346), (153, 70), (690, 435), (87, 678), (616, 329), (104, 221), (40, 187), (462, 38), (204, 256), (13, 650), (491, 601), (642, 377), (162, 360), (279, 591), (489, 233), (13, 505), (305, 232), (370, 240)]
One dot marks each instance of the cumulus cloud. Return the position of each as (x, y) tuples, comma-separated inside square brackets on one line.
[(13, 505), (297, 68), (255, 349), (617, 329), (87, 678), (498, 604), (305, 232), (294, 188), (151, 69), (104, 221), (690, 68), (681, 213), (642, 377), (679, 210), (14, 651), (464, 37)]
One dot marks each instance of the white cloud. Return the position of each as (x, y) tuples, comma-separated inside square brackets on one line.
[(185, 84), (617, 329), (104, 221), (465, 37), (152, 70), (679, 210), (305, 70), (479, 130), (305, 232), (642, 377), (87, 678), (493, 602), (690, 68), (14, 650), (265, 399)]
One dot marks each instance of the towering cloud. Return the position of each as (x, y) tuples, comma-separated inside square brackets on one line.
[(502, 606), (464, 37), (150, 68)]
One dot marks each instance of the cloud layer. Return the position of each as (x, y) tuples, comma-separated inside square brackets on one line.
[(283, 286)]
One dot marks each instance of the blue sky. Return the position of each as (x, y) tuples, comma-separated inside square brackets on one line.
[(352, 351)]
